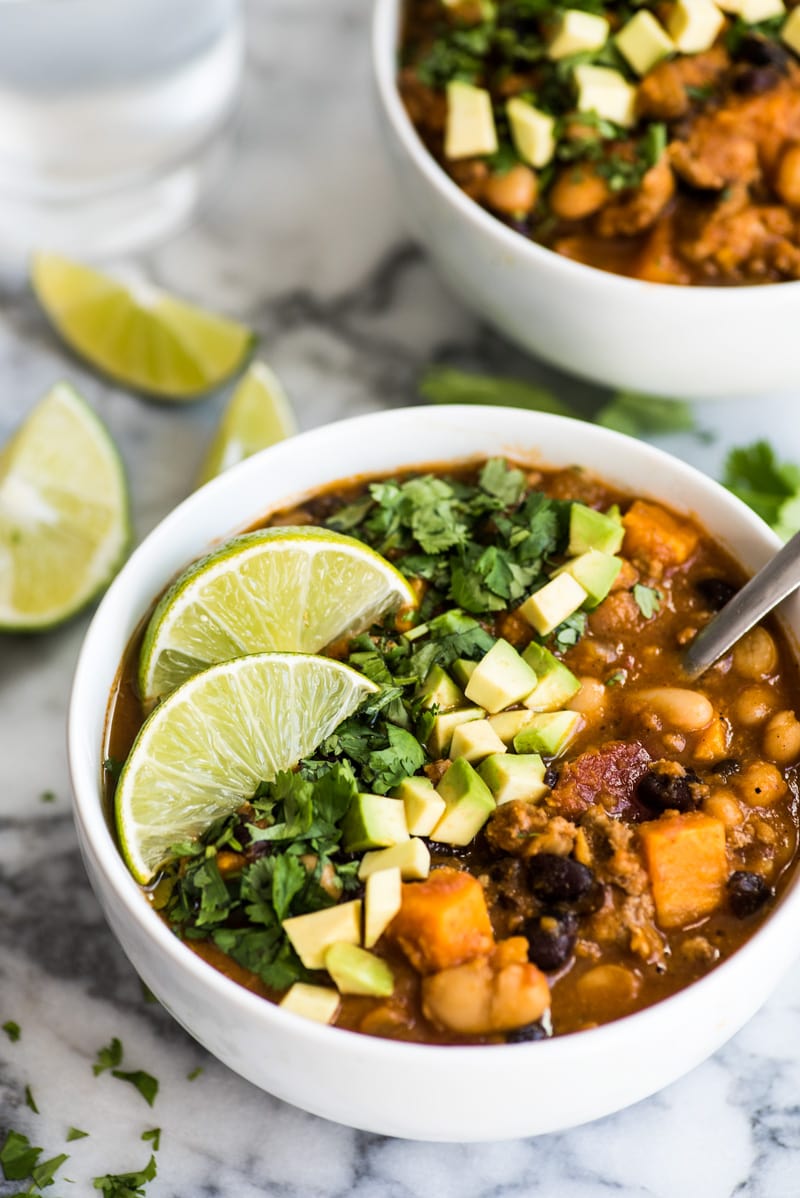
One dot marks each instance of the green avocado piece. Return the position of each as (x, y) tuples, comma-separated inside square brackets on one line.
[(445, 724), (439, 690), (548, 732), (556, 684), (500, 678), (468, 804), (373, 822), (462, 670), (512, 776), (589, 529), (356, 971), (424, 807), (595, 571)]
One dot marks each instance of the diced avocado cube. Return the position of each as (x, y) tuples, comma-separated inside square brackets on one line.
[(694, 25), (319, 1003), (383, 898), (475, 740), (462, 670), (373, 822), (578, 32), (424, 807), (532, 131), (548, 732), (412, 858), (753, 12), (595, 571), (607, 92), (550, 606), (515, 776), (790, 33), (445, 724), (469, 803), (469, 126), (589, 529), (508, 723), (556, 684), (643, 41), (500, 679), (356, 971), (313, 934), (439, 690)]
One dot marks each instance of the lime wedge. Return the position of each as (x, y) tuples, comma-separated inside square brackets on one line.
[(137, 334), (287, 589), (258, 414), (64, 519), (204, 750)]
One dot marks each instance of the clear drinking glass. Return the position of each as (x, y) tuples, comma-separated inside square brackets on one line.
[(110, 112)]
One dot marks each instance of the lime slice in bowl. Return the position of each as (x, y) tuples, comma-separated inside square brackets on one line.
[(204, 750), (258, 414), (286, 589), (137, 334), (64, 513)]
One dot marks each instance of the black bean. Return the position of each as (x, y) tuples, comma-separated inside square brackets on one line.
[(665, 792), (551, 941), (531, 1031), (558, 879), (551, 776), (755, 81), (725, 768), (762, 52), (716, 591), (747, 893)]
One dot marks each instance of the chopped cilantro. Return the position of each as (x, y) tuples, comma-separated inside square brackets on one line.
[(617, 678), (44, 1174), (145, 1083), (30, 1101), (771, 488), (154, 1135), (571, 630), (75, 1133), (12, 1030), (648, 600), (47, 796), (113, 767), (126, 1185), (194, 1074), (18, 1157), (108, 1057)]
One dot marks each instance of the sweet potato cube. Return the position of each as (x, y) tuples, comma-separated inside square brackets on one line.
[(655, 537), (442, 921), (688, 866)]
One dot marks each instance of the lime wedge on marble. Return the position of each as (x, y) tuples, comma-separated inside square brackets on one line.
[(64, 513), (258, 414)]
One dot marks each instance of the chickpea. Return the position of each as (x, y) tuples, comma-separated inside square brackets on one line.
[(782, 738), (578, 192), (676, 707), (755, 656), (590, 700), (760, 785), (512, 193), (787, 181), (723, 805), (607, 988), (753, 706)]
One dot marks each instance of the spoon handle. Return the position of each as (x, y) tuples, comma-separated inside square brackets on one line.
[(764, 591)]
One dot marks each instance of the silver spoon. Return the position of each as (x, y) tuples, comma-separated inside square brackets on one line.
[(765, 590)]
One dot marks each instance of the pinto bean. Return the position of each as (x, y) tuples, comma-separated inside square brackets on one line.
[(678, 707), (578, 192), (513, 193)]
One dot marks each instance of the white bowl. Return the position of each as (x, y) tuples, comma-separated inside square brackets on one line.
[(418, 1091), (686, 342)]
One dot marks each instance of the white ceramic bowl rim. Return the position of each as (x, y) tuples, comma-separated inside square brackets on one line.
[(82, 738), (384, 49)]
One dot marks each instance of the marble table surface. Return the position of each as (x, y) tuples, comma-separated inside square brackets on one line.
[(303, 238)]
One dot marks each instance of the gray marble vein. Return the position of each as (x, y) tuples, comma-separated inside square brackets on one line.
[(302, 237)]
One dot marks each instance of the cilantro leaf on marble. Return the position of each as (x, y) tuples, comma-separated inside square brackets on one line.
[(108, 1057), (154, 1135), (44, 1174), (446, 385), (126, 1185), (770, 487), (30, 1101), (75, 1133), (18, 1157), (145, 1083), (648, 600), (193, 1074), (637, 415), (12, 1030)]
